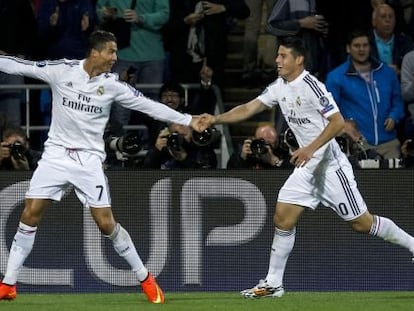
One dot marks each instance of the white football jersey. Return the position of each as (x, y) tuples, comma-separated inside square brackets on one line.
[(81, 106), (306, 105)]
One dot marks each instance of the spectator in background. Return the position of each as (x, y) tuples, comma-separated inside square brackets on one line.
[(263, 151), (198, 30), (18, 33), (145, 55), (300, 18), (407, 91), (15, 152), (252, 30), (386, 44), (64, 27), (176, 148), (368, 92), (401, 24)]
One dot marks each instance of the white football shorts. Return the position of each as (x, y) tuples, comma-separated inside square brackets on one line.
[(60, 167), (336, 189)]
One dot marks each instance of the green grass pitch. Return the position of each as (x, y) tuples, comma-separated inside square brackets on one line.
[(208, 301)]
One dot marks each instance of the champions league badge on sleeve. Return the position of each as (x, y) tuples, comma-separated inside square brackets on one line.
[(327, 106)]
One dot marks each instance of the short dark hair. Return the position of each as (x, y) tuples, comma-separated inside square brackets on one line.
[(296, 44), (12, 130), (172, 86), (98, 39), (356, 33)]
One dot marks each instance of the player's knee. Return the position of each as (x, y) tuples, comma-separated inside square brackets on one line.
[(106, 226), (362, 224), (30, 217), (283, 223), (357, 227)]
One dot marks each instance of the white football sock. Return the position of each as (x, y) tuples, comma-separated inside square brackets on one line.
[(283, 242), (125, 248), (21, 247), (386, 229)]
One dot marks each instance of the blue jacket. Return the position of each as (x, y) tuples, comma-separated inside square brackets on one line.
[(368, 104)]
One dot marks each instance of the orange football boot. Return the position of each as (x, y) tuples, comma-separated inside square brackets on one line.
[(7, 292), (152, 290)]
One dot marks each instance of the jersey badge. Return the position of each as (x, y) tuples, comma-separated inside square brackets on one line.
[(324, 101), (69, 84), (327, 106), (298, 102), (100, 91)]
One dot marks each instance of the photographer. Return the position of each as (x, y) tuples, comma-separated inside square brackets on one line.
[(175, 147), (263, 151), (15, 153)]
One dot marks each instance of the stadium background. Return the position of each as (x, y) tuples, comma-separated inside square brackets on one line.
[(209, 231)]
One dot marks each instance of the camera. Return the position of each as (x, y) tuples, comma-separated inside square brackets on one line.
[(17, 150), (175, 141), (207, 137), (258, 147), (288, 141), (129, 144)]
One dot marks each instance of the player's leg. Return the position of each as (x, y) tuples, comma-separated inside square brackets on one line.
[(350, 206), (384, 228), (125, 248), (22, 244), (285, 218), (295, 193), (120, 238)]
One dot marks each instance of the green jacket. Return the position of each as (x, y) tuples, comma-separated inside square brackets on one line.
[(146, 38)]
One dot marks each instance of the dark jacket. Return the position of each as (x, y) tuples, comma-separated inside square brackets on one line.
[(18, 28), (402, 45), (66, 39)]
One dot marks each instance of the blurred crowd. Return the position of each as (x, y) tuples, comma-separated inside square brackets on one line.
[(362, 49)]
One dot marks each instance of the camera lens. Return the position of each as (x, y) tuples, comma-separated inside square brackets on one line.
[(17, 150), (290, 139), (130, 144), (207, 137), (175, 141), (258, 147)]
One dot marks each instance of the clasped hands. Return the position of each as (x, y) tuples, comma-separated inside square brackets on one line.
[(201, 122)]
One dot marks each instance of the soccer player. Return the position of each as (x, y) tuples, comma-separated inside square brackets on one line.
[(322, 171), (83, 92)]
